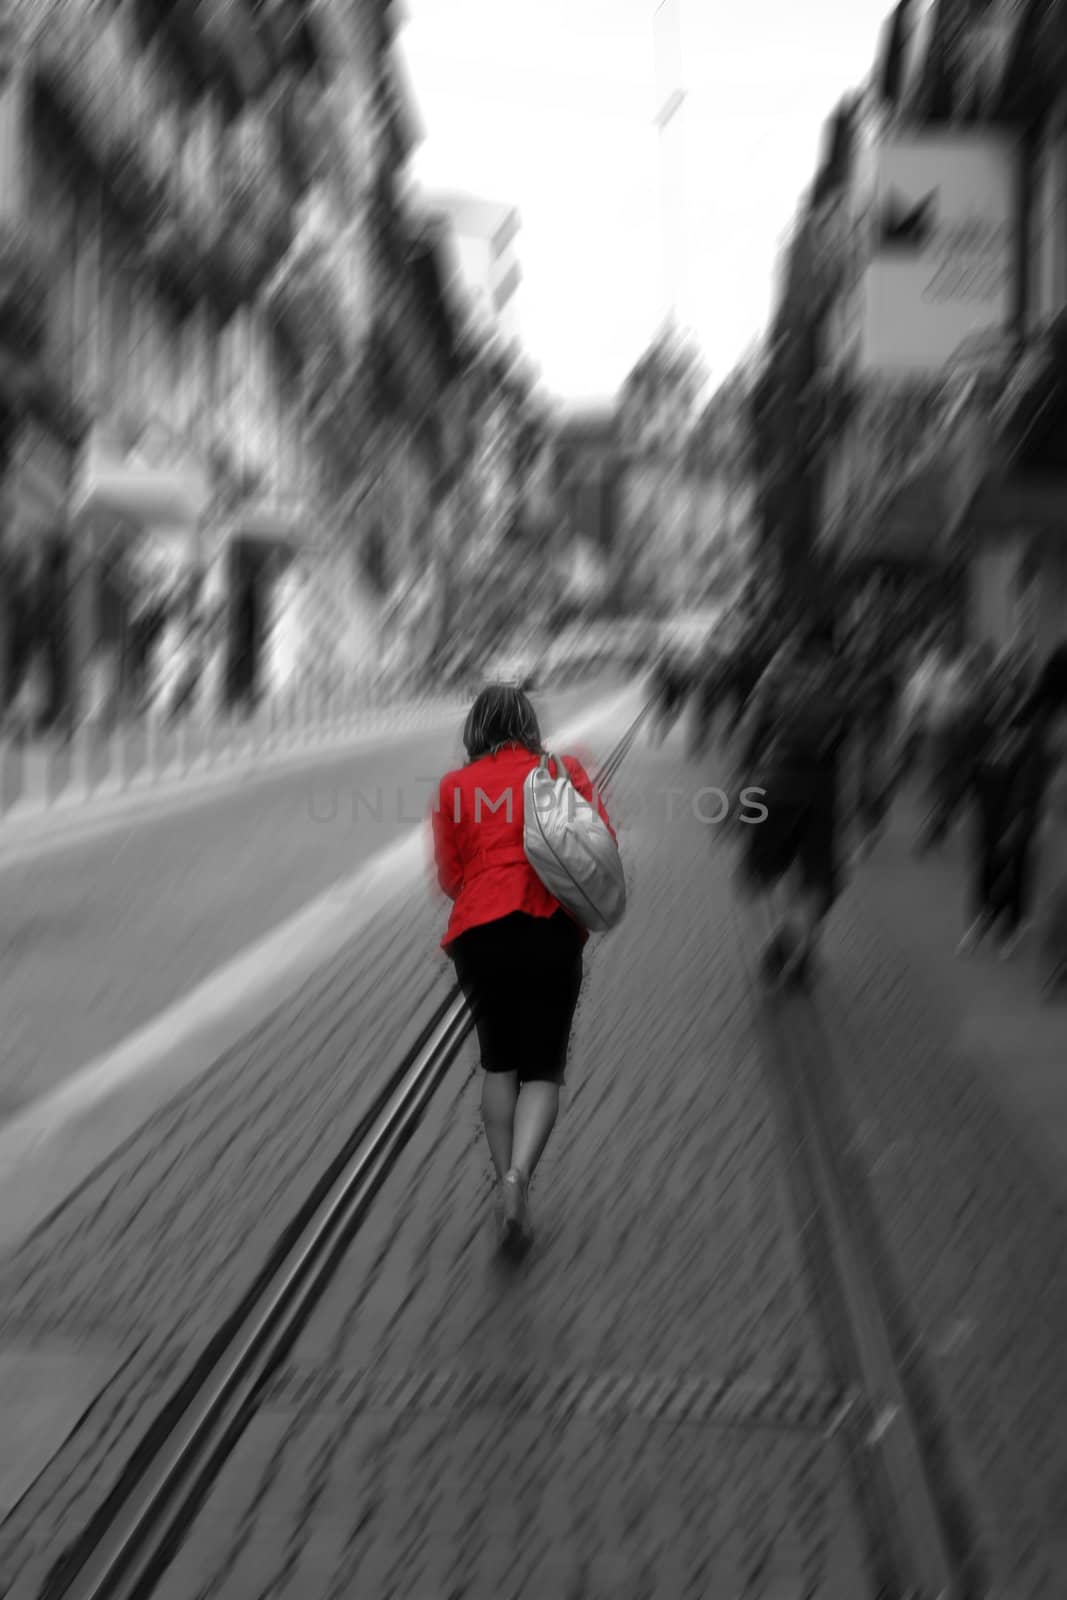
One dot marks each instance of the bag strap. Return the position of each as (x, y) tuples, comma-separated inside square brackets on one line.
[(546, 759)]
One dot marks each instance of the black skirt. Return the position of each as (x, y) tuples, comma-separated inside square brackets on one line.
[(522, 976)]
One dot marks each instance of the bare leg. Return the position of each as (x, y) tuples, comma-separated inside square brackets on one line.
[(500, 1092), (535, 1117)]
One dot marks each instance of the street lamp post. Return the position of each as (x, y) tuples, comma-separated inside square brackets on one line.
[(670, 106)]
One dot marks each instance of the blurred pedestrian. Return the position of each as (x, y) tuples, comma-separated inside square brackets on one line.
[(877, 687), (669, 690), (928, 663), (706, 695), (956, 739), (1012, 771), (517, 952), (790, 747), (747, 664), (941, 711)]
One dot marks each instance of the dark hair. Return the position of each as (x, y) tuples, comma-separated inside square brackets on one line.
[(501, 715)]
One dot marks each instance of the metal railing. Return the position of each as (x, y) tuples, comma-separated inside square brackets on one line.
[(51, 772)]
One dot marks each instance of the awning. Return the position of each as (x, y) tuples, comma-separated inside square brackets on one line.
[(142, 495), (152, 493)]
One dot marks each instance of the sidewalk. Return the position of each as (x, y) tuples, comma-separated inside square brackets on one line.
[(955, 1079), (1017, 1042)]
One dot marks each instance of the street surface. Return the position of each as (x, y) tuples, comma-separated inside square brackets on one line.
[(667, 1252), (101, 936), (644, 1407)]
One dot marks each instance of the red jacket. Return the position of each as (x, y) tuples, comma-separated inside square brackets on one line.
[(477, 834)]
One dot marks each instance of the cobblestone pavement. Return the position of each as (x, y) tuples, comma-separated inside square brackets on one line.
[(99, 937), (155, 1251), (640, 1409), (973, 1230), (659, 1341)]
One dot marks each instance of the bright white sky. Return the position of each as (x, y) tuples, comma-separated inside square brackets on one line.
[(549, 104)]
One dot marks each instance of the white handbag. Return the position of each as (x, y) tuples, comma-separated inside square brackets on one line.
[(569, 846)]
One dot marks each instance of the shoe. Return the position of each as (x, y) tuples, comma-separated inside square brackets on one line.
[(973, 937), (516, 1228)]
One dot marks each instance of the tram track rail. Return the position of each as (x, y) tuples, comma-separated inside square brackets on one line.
[(129, 1544), (920, 1537)]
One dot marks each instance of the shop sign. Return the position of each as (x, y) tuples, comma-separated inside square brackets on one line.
[(940, 266)]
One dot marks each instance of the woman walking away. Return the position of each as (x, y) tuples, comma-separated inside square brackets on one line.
[(791, 746), (517, 952)]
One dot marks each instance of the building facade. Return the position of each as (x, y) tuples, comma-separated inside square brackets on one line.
[(588, 476), (685, 494), (217, 321), (1006, 451), (720, 545), (936, 387)]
